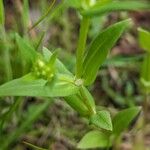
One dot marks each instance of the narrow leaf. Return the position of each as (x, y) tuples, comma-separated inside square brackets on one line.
[(102, 120), (94, 139), (99, 48), (144, 39), (27, 51), (115, 6), (122, 120), (2, 14)]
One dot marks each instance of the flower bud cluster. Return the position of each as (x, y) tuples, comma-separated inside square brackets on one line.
[(42, 70)]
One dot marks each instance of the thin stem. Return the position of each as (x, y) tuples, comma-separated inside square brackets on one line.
[(81, 45)]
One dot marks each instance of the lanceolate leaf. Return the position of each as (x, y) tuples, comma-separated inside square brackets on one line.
[(30, 86), (102, 120), (99, 49), (122, 120), (115, 6), (27, 51), (94, 139), (144, 39)]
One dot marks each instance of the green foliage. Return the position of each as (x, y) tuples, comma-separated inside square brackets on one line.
[(26, 49), (94, 139), (99, 9), (77, 104), (144, 38), (102, 120), (2, 14), (122, 120), (32, 115), (31, 86), (99, 48)]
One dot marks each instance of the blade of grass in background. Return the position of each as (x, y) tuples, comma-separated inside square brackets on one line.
[(8, 70), (33, 114), (44, 16), (26, 14)]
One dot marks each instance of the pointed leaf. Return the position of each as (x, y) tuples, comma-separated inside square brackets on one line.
[(144, 39), (102, 120), (59, 65), (99, 49), (30, 86), (94, 139), (122, 120), (115, 6), (27, 51)]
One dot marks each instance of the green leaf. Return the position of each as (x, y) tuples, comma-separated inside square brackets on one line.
[(27, 51), (59, 65), (77, 104), (122, 120), (30, 86), (144, 39), (99, 48), (94, 139), (2, 14), (74, 3), (98, 9), (102, 120)]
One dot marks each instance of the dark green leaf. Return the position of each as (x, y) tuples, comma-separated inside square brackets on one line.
[(144, 39), (30, 86), (115, 6), (99, 49), (122, 120), (102, 120), (94, 139)]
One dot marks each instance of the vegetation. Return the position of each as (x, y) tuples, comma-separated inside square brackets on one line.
[(32, 70)]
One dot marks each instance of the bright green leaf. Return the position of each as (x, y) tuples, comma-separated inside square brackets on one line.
[(94, 139), (30, 86), (99, 48), (102, 120), (144, 39), (122, 120), (2, 14), (98, 9)]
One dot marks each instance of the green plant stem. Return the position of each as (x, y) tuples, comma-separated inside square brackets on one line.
[(86, 101), (81, 45), (6, 55)]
